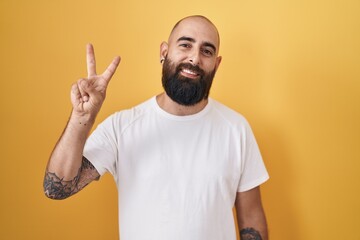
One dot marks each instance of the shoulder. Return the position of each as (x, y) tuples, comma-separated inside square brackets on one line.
[(122, 119), (229, 115)]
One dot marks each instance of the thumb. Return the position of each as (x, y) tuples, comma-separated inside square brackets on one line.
[(85, 90)]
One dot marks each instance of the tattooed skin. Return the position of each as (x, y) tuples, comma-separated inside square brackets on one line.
[(57, 188), (249, 234)]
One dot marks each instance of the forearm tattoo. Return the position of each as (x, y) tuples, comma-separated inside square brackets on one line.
[(57, 188), (249, 234)]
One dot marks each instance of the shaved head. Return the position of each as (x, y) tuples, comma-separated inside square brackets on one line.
[(194, 17)]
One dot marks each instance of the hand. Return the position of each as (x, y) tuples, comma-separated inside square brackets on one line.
[(88, 94)]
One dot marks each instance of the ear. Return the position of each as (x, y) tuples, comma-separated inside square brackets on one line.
[(217, 62), (163, 50)]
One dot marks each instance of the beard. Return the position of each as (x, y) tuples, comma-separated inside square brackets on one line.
[(182, 90)]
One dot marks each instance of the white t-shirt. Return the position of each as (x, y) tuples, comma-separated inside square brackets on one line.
[(177, 176)]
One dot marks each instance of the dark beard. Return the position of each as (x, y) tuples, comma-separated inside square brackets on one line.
[(182, 90)]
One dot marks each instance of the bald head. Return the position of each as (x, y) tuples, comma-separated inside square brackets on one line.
[(193, 40), (194, 17), (203, 24)]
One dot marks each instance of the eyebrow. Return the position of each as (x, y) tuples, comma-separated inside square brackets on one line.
[(189, 39)]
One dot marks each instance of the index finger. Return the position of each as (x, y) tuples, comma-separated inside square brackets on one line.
[(109, 72), (90, 60)]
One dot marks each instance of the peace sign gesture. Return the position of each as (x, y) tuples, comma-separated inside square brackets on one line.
[(88, 94)]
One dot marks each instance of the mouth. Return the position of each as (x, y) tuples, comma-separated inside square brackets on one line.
[(189, 73)]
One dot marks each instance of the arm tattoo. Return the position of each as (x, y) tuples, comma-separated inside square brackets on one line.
[(57, 188), (249, 234)]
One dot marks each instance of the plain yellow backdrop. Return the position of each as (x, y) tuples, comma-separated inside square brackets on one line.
[(292, 68)]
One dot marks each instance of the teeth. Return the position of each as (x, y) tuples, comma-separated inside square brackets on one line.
[(189, 72)]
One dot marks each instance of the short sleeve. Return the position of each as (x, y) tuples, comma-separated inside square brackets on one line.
[(253, 170), (101, 147)]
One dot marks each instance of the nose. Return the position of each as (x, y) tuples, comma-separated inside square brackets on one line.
[(194, 58)]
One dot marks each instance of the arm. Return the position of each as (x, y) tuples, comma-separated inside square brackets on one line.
[(250, 215), (68, 171), (58, 188)]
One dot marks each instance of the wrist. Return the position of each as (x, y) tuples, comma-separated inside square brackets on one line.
[(80, 119)]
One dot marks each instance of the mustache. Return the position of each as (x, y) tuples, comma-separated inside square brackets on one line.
[(191, 67)]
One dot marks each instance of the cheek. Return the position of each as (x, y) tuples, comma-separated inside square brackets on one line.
[(177, 55), (209, 66)]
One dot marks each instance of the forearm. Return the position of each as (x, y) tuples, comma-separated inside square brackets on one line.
[(62, 174), (254, 229), (250, 215)]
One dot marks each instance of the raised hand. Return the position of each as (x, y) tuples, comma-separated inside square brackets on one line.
[(88, 94)]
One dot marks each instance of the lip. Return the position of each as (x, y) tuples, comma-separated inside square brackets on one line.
[(189, 73)]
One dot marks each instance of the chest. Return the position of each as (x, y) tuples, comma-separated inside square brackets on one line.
[(200, 155)]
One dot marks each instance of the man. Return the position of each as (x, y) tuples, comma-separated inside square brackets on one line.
[(181, 160)]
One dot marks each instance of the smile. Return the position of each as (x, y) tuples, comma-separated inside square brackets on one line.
[(188, 73)]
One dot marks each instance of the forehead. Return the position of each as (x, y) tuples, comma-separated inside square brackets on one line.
[(197, 28)]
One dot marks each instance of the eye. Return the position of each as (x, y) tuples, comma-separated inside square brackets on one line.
[(207, 52), (185, 45)]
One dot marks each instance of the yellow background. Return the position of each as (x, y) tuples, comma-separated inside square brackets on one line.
[(291, 67)]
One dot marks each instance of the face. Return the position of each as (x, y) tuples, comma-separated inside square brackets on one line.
[(191, 60)]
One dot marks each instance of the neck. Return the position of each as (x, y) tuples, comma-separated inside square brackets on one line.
[(168, 105)]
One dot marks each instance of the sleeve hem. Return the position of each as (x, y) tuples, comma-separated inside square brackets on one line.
[(253, 184), (98, 168)]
